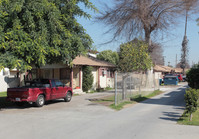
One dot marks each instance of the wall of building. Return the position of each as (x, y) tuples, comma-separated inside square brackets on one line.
[(158, 75), (110, 82)]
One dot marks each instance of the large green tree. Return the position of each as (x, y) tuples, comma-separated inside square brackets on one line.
[(134, 57), (109, 56), (36, 32)]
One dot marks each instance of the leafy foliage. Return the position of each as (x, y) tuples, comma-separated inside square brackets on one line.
[(184, 53), (134, 57), (87, 78), (41, 31), (191, 99), (193, 77), (109, 56)]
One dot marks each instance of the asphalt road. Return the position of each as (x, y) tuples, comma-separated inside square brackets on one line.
[(80, 119)]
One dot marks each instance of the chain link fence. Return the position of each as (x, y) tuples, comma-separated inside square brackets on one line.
[(128, 85)]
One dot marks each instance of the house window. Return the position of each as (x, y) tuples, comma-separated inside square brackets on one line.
[(111, 74), (104, 72), (65, 73)]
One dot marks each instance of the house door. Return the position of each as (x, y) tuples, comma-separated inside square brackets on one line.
[(103, 79)]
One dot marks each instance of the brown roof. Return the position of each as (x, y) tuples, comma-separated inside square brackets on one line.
[(90, 61), (161, 68), (178, 70)]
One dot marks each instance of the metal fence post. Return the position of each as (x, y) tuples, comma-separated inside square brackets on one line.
[(130, 84), (116, 88)]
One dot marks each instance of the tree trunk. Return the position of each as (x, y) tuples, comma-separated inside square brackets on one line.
[(141, 79), (191, 117), (124, 86), (148, 40)]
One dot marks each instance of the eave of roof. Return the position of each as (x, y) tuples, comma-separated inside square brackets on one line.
[(90, 61)]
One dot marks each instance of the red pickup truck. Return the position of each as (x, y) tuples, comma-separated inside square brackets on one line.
[(38, 91)]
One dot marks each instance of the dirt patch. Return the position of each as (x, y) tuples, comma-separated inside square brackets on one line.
[(106, 101), (129, 105)]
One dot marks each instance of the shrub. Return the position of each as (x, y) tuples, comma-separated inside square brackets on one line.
[(87, 78), (191, 99), (193, 77)]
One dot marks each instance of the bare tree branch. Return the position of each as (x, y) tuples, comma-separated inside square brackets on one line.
[(133, 18)]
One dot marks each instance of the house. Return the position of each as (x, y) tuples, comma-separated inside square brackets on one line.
[(103, 73), (161, 70)]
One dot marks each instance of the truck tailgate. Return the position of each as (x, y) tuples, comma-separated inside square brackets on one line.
[(17, 92)]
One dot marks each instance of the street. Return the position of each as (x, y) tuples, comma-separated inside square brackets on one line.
[(81, 119)]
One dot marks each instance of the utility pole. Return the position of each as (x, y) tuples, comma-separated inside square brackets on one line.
[(176, 60)]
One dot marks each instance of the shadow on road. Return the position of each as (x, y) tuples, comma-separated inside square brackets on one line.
[(4, 104), (174, 98), (171, 116)]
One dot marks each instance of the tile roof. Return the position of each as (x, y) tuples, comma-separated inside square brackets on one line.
[(161, 68), (178, 70), (90, 61)]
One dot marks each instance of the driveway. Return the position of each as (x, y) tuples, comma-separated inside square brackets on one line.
[(80, 119)]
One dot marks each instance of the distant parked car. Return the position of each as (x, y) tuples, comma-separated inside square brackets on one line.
[(180, 78), (38, 91), (171, 80)]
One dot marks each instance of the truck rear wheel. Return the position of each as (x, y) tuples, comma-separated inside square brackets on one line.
[(40, 101), (68, 97)]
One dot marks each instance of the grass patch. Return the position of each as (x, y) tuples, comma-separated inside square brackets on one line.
[(184, 119), (140, 98), (155, 93), (92, 91), (3, 94), (110, 100), (108, 88), (100, 90), (121, 105)]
